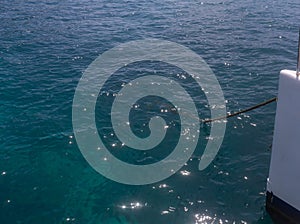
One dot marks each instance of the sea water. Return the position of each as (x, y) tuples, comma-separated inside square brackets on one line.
[(45, 47)]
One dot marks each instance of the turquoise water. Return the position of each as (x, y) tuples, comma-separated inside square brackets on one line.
[(45, 46)]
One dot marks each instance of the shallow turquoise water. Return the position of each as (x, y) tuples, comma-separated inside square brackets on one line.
[(44, 48)]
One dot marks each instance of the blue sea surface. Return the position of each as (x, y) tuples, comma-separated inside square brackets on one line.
[(46, 45)]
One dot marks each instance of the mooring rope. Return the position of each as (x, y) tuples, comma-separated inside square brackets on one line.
[(242, 111)]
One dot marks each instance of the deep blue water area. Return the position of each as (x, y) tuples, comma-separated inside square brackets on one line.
[(45, 46)]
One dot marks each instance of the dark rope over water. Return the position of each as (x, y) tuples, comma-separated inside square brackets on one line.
[(242, 111)]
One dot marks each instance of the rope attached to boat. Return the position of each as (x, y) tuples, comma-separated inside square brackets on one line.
[(242, 111)]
